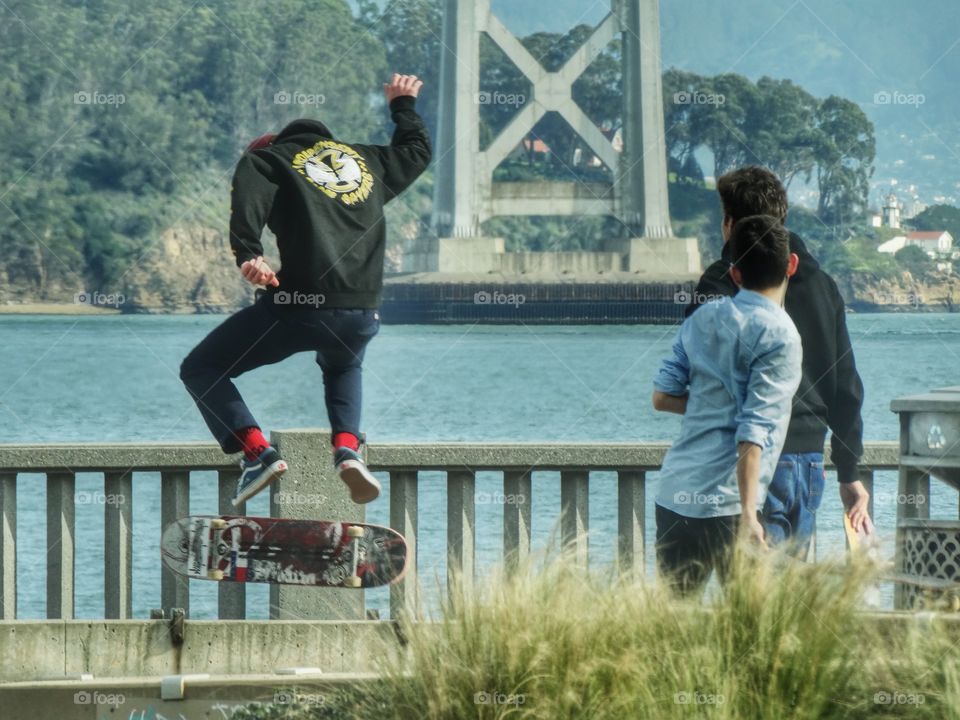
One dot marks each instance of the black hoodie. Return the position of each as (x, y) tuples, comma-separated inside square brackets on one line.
[(324, 199), (831, 392)]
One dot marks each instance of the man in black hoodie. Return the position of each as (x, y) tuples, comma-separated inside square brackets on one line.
[(323, 199), (830, 393)]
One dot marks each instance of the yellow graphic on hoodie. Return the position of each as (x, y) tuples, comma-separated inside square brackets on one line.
[(337, 170)]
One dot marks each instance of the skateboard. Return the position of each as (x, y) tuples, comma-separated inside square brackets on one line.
[(282, 551), (924, 592)]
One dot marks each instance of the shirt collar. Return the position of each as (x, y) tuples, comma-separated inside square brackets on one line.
[(751, 297)]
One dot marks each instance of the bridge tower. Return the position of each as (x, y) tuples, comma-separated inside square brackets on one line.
[(465, 193)]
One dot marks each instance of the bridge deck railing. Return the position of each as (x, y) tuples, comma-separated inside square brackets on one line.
[(60, 465)]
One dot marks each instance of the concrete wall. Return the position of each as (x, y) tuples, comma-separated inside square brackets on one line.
[(47, 650), (517, 263)]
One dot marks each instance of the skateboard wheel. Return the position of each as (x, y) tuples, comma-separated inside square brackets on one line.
[(214, 574), (218, 523), (352, 582), (355, 531)]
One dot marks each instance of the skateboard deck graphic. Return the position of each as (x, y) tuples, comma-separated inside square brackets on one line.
[(283, 551)]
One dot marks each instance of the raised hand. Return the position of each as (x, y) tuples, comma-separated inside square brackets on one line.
[(400, 85)]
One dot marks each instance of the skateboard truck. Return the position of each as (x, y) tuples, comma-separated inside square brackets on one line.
[(355, 532)]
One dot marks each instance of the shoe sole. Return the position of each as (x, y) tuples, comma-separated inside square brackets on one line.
[(364, 487), (270, 474)]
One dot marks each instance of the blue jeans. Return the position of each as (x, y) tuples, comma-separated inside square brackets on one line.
[(789, 512), (266, 333)]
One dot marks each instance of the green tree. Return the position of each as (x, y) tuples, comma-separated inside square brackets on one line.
[(915, 260), (781, 129), (845, 150)]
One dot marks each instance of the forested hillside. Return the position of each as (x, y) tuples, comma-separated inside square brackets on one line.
[(122, 122)]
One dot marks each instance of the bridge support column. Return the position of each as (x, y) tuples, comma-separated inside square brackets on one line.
[(644, 202)]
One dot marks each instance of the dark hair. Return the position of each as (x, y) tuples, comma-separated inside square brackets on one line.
[(761, 251), (752, 190)]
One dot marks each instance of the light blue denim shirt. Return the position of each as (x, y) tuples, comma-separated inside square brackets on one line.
[(739, 360)]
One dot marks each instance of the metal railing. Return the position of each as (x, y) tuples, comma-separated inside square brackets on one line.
[(402, 462)]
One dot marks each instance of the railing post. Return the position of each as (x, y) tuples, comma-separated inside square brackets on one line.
[(231, 596), (118, 545), (174, 504), (403, 519), (461, 492), (518, 494), (311, 487), (8, 546), (631, 508), (60, 548), (574, 506)]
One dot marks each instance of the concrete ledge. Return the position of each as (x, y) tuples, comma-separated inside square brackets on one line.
[(50, 650), (145, 457), (95, 457), (214, 696), (597, 456)]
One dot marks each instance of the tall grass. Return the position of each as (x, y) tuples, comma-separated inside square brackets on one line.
[(783, 640)]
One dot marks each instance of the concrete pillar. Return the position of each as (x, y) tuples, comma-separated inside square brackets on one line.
[(322, 496), (644, 199), (454, 243), (458, 121), (643, 173)]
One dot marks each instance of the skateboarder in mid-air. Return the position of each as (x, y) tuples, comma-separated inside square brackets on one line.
[(323, 199)]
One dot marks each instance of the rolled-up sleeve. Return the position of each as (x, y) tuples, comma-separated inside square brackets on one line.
[(773, 381), (673, 377)]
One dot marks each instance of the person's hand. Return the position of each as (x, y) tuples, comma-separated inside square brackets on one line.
[(258, 272), (855, 500), (751, 531), (401, 85)]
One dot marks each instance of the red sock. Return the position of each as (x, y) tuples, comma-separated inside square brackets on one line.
[(253, 442), (347, 440)]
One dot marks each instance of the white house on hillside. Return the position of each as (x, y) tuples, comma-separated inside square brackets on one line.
[(933, 243), (936, 241)]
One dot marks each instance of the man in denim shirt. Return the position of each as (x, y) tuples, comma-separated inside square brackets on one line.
[(735, 368), (830, 395)]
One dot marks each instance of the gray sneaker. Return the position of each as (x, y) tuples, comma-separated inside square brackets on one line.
[(364, 487)]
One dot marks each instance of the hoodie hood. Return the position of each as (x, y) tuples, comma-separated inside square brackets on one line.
[(808, 263), (303, 127)]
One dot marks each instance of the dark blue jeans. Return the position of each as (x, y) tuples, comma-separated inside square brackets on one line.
[(266, 333), (794, 495)]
